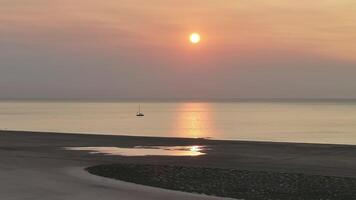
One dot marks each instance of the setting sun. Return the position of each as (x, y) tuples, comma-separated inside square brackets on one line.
[(194, 38)]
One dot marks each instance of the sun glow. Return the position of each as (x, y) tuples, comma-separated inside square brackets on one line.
[(194, 38)]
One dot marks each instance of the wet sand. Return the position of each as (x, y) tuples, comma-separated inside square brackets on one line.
[(35, 165)]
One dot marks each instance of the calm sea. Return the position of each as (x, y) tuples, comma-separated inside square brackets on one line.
[(289, 121)]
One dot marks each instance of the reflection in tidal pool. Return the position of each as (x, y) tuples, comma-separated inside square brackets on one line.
[(145, 150)]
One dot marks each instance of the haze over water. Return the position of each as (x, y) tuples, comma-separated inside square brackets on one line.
[(289, 121)]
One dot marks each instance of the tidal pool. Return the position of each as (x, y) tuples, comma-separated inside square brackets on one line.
[(194, 150)]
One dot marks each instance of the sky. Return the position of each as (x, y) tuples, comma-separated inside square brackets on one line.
[(91, 49)]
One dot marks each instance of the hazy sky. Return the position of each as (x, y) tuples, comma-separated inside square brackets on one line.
[(140, 49)]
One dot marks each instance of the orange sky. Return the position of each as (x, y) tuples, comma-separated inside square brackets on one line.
[(322, 26), (235, 34)]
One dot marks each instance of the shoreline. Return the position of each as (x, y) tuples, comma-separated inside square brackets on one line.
[(317, 159), (35, 163), (82, 173), (207, 139)]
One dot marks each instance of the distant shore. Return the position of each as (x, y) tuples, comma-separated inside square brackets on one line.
[(37, 164)]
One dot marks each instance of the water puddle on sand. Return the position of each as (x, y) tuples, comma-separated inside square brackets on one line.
[(144, 150)]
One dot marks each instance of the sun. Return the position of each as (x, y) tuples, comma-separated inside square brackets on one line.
[(194, 38)]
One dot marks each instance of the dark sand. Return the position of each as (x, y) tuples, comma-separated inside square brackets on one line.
[(35, 166), (233, 183)]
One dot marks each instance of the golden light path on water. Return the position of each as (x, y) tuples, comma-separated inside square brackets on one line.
[(194, 121)]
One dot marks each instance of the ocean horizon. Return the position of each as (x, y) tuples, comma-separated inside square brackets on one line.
[(330, 121)]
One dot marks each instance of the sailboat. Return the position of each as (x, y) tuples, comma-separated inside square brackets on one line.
[(139, 113)]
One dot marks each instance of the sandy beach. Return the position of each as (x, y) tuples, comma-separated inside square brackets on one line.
[(35, 165)]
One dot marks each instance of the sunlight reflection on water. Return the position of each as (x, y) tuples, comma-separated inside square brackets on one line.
[(194, 150)]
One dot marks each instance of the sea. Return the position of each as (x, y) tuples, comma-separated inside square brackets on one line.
[(301, 121)]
